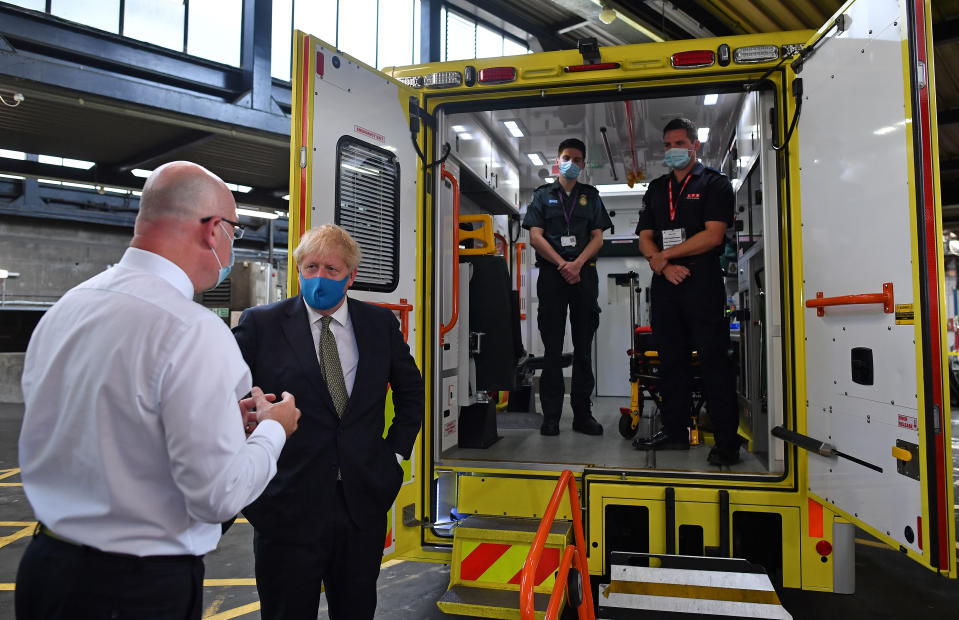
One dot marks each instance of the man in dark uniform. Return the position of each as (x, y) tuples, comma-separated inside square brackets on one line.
[(566, 220), (681, 233)]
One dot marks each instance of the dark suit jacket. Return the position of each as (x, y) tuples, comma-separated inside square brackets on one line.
[(277, 344)]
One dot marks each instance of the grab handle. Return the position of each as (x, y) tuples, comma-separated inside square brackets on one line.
[(446, 327), (885, 298)]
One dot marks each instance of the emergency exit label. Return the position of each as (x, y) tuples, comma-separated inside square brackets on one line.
[(908, 422), (905, 314)]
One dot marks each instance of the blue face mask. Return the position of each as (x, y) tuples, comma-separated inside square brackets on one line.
[(224, 269), (569, 170), (676, 158), (323, 293)]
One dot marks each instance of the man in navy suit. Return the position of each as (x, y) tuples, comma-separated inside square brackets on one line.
[(322, 519)]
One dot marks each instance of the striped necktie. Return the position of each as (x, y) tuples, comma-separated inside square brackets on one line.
[(330, 364)]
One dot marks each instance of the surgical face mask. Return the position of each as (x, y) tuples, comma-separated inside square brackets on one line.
[(676, 158), (323, 293), (569, 170), (224, 269)]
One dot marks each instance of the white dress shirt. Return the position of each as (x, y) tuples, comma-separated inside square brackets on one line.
[(342, 328), (132, 439)]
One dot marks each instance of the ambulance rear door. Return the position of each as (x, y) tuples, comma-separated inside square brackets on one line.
[(871, 278), (353, 164)]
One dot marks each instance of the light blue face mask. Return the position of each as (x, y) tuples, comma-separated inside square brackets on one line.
[(569, 170), (323, 293), (676, 158), (224, 269)]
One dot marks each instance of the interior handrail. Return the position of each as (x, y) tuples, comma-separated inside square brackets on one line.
[(446, 327), (404, 309), (519, 278), (572, 556), (886, 298)]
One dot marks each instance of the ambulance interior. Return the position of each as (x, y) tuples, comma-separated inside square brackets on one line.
[(488, 414)]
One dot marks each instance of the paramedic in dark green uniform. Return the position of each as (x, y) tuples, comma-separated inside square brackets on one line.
[(566, 220), (681, 233)]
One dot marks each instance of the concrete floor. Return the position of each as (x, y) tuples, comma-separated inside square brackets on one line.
[(889, 585)]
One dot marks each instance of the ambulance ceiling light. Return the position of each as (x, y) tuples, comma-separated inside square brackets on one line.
[(458, 128), (286, 197), (537, 159), (755, 54), (515, 128), (266, 215), (710, 99), (549, 180), (464, 136), (703, 135)]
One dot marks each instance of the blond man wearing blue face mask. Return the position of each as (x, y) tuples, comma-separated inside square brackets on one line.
[(322, 521), (681, 233)]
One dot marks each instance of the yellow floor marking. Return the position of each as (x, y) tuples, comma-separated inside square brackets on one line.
[(11, 484), (233, 613), (16, 523), (214, 606), (242, 520), (243, 581), (7, 473), (7, 587), (21, 533), (389, 563)]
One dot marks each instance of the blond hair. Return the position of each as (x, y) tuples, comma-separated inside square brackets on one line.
[(321, 240)]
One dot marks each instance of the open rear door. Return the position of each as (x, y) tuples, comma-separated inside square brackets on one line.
[(353, 164), (874, 366)]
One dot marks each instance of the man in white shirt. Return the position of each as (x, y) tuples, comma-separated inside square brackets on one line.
[(132, 449)]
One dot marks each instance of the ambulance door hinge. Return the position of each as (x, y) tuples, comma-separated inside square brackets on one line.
[(302, 157), (936, 419), (921, 74), (409, 517)]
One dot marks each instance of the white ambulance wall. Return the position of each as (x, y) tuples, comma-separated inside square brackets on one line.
[(610, 362)]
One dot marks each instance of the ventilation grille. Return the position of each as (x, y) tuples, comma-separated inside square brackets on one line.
[(367, 206)]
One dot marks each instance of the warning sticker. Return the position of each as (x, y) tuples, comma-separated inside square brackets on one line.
[(905, 314), (379, 137), (908, 422)]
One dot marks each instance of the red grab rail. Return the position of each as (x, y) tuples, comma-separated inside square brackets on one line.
[(446, 327), (573, 555), (885, 298), (404, 309)]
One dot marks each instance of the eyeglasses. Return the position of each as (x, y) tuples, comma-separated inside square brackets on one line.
[(238, 228)]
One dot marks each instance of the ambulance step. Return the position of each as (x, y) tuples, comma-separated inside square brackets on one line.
[(487, 603), (509, 528), (687, 586)]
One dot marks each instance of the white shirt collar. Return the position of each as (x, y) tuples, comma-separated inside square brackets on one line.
[(341, 316), (144, 260)]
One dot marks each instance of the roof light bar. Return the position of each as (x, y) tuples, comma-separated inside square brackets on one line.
[(755, 54), (497, 75), (443, 79), (599, 66), (693, 59)]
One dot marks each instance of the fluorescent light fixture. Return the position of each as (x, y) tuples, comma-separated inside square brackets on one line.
[(53, 160), (458, 128), (49, 182), (703, 135), (243, 189), (11, 176), (283, 214), (464, 136), (710, 99), (78, 185), (141, 173), (622, 189), (116, 190), (266, 215), (287, 198), (536, 159), (136, 193), (514, 128), (12, 154), (549, 180), (4, 274), (884, 130)]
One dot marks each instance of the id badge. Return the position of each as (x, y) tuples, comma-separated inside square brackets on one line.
[(568, 241), (672, 237)]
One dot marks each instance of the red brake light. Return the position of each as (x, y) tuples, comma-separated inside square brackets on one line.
[(693, 59), (497, 75), (823, 547), (594, 67)]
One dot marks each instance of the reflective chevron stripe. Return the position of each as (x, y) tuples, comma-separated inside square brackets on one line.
[(503, 563)]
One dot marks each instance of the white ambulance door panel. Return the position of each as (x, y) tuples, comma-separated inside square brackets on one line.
[(363, 176), (855, 157)]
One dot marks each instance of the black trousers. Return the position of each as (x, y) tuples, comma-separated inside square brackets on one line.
[(58, 580), (555, 296), (686, 317), (344, 559)]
